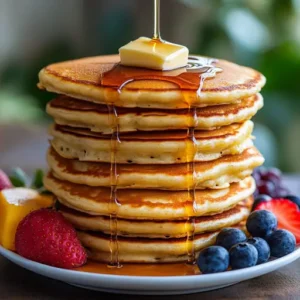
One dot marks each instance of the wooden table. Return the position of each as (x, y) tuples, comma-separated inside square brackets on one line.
[(25, 147)]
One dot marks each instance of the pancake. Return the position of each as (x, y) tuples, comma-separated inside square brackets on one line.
[(77, 113), (148, 204), (157, 229), (142, 250), (159, 147), (85, 79), (214, 174)]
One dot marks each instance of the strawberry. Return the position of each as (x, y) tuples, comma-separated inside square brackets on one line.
[(4, 181), (46, 237), (287, 213)]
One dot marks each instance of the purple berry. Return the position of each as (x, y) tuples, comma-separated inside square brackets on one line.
[(272, 174), (267, 188), (281, 192), (256, 176)]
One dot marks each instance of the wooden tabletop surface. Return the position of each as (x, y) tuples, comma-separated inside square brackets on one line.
[(25, 148)]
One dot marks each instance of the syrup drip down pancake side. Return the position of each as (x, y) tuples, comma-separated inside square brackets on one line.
[(77, 113), (157, 228), (159, 147), (213, 174), (148, 204)]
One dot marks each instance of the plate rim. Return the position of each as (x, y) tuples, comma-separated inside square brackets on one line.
[(170, 282)]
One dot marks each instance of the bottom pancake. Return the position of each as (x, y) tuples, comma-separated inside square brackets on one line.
[(158, 228), (144, 250)]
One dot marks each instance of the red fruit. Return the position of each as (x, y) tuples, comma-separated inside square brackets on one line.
[(46, 237), (287, 213), (4, 181)]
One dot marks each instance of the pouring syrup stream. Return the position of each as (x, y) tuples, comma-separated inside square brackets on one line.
[(156, 34)]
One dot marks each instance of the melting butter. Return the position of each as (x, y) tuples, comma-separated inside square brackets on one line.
[(154, 54)]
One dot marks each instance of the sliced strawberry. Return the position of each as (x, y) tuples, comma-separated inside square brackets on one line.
[(287, 213)]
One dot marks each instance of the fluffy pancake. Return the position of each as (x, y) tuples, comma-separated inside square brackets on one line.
[(77, 113), (84, 79), (156, 229), (143, 250), (148, 204), (214, 174), (159, 147)]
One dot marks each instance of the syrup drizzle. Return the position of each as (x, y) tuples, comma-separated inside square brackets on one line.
[(191, 148), (114, 203), (156, 34), (204, 69), (118, 77), (207, 70)]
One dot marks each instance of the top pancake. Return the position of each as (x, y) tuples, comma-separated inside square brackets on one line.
[(83, 79)]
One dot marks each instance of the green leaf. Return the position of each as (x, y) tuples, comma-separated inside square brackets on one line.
[(37, 182), (18, 178)]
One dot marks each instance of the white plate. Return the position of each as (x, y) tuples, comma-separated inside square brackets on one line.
[(147, 285)]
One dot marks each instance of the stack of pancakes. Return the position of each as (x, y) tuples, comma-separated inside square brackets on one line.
[(129, 175)]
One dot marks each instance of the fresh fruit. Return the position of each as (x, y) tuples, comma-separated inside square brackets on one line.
[(262, 248), (287, 213), (4, 181), (15, 204), (259, 199), (281, 191), (243, 255), (213, 259), (294, 199), (267, 188), (269, 181), (46, 237), (261, 223), (281, 242), (229, 237), (271, 174)]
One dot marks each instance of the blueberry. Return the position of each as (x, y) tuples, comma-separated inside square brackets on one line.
[(261, 223), (261, 198), (294, 199), (213, 259), (243, 255), (281, 242), (262, 248), (228, 237)]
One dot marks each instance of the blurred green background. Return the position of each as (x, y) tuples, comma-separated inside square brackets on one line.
[(263, 34)]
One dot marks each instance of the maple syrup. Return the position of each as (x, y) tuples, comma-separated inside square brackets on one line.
[(171, 269), (156, 33), (188, 78), (114, 203)]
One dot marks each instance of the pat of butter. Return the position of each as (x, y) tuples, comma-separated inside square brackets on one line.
[(154, 54)]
